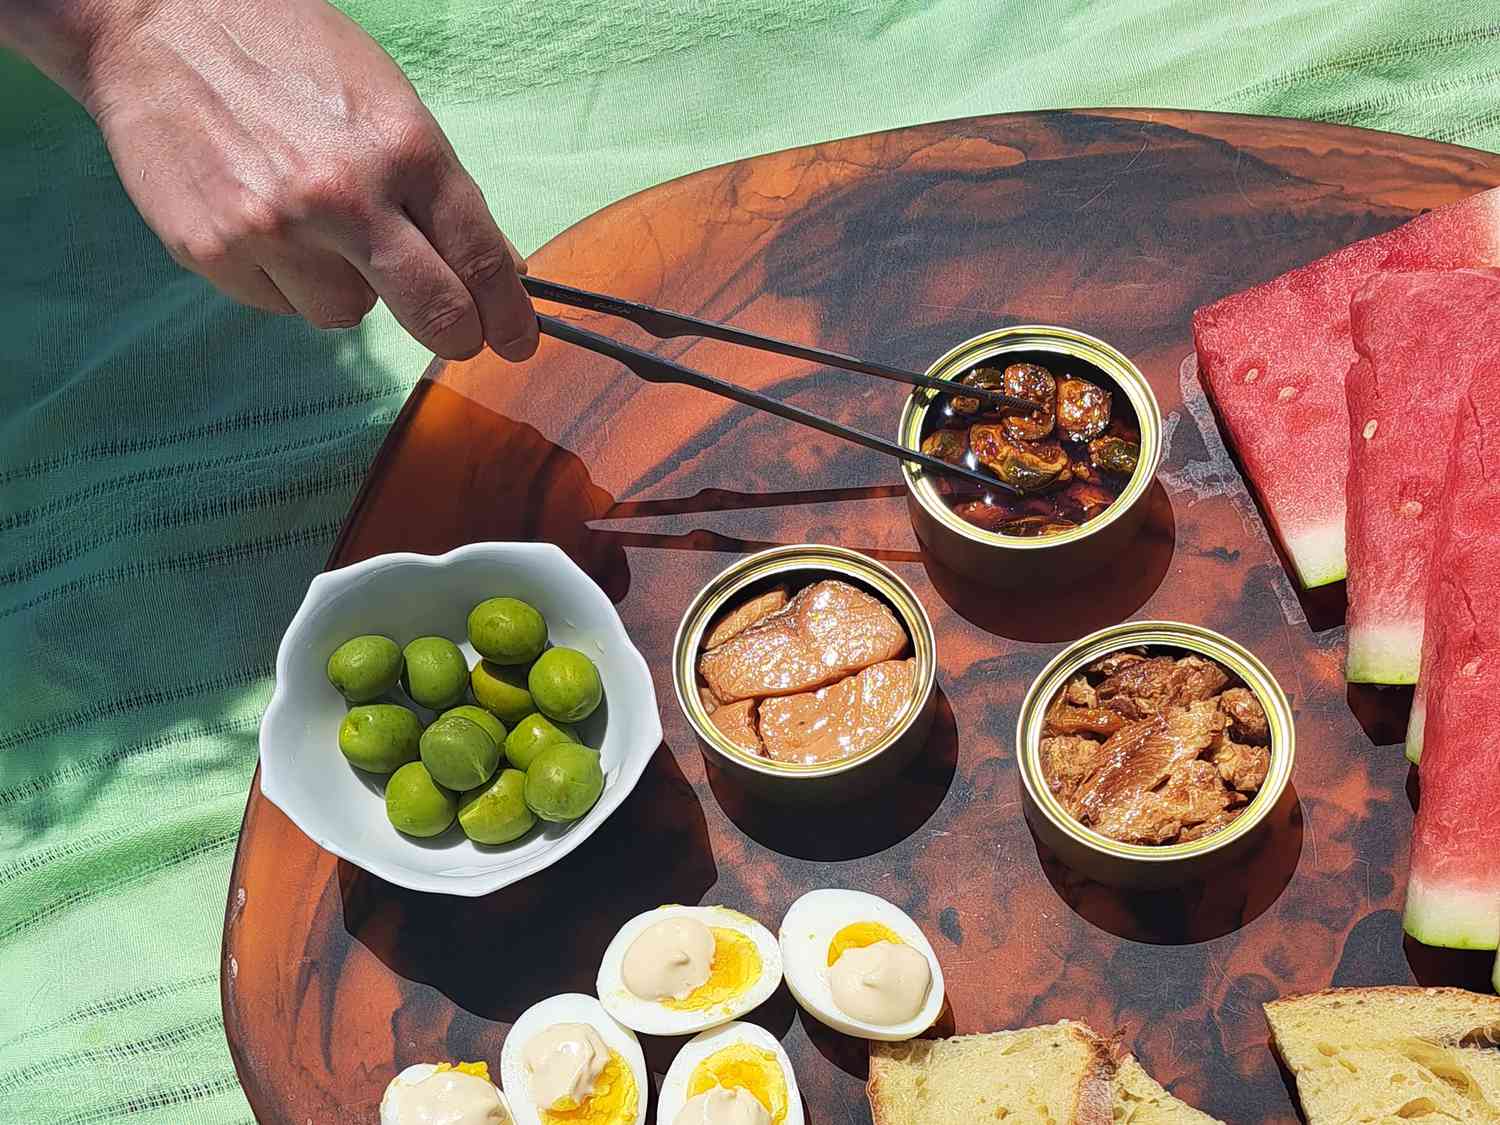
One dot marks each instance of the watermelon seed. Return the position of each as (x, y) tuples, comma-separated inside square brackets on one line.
[(1370, 427), (1286, 394), (1252, 375), (1412, 508), (1471, 668)]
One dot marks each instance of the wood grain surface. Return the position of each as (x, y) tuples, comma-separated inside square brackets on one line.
[(893, 246)]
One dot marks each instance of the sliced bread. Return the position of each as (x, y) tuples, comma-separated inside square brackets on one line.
[(1395, 1055), (1142, 1100), (1058, 1074)]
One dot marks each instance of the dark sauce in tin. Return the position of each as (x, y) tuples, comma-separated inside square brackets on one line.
[(1070, 457)]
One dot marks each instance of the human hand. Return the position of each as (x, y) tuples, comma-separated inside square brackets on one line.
[(279, 152)]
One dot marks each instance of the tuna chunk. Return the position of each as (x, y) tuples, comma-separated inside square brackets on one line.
[(746, 614), (1191, 797), (1247, 721), (736, 722), (839, 720), (1067, 761), (830, 630), (1147, 687), (1242, 767), (1139, 757)]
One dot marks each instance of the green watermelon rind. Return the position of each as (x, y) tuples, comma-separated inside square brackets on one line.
[(1317, 555), (1451, 918), (1415, 726), (1387, 654)]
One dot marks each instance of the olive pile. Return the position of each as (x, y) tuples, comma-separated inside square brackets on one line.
[(496, 765)]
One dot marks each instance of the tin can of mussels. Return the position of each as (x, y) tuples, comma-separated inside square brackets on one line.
[(1011, 560), (798, 566), (1150, 866)]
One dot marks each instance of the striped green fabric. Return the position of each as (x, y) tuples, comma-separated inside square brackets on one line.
[(173, 469)]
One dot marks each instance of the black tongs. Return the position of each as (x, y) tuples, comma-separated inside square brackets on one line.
[(665, 325)]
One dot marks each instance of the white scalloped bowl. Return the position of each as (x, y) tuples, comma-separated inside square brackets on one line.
[(406, 596)]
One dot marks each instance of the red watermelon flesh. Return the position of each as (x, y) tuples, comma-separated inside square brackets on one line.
[(1420, 338), (1453, 891), (1274, 359)]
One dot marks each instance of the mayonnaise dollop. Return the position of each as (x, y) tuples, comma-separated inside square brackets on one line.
[(884, 984), (564, 1063), (669, 959), (448, 1097), (720, 1106)]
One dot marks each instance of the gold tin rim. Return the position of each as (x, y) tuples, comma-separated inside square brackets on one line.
[(822, 558), (1195, 638), (1035, 337)]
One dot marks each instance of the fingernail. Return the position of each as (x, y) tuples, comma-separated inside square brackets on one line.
[(522, 347)]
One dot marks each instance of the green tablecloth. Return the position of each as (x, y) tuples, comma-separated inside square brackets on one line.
[(173, 469)]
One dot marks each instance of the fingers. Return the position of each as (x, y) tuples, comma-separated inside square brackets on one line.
[(458, 224), (420, 288), (240, 279), (325, 289)]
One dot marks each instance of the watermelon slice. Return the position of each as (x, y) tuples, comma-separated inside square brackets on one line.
[(1274, 358), (1420, 337), (1453, 891)]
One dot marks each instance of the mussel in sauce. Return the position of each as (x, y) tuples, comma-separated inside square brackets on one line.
[(1090, 499), (947, 445), (1032, 526), (989, 378), (1114, 454), (1027, 466), (1082, 408), (1034, 384)]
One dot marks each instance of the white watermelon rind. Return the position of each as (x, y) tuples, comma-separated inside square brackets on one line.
[(1452, 918), (1415, 726), (1317, 555), (1384, 654)]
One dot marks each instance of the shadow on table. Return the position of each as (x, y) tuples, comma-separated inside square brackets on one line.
[(496, 955), (1211, 907), (861, 827), (1064, 612), (1381, 711)]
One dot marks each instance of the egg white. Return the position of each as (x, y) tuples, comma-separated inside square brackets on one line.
[(411, 1076), (569, 1007), (674, 1087), (807, 931), (652, 1018)]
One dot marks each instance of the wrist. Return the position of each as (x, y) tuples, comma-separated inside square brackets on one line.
[(66, 39)]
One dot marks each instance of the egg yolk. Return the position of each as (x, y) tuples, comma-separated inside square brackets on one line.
[(745, 1067), (735, 967), (858, 935), (477, 1069), (613, 1100)]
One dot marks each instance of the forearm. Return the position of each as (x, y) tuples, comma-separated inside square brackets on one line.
[(61, 38)]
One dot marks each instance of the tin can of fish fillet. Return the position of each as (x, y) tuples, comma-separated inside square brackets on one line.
[(1151, 866), (822, 782), (1011, 560)]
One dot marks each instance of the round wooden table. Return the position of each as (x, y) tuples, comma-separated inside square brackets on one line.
[(893, 246)]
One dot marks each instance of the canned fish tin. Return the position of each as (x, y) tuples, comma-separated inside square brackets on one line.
[(1150, 865), (999, 559), (800, 565)]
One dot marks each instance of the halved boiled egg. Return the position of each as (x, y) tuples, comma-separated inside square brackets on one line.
[(455, 1095), (680, 969), (566, 1061), (860, 965), (736, 1074)]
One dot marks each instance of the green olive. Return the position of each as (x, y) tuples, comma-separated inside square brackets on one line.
[(496, 813), (365, 668), (501, 690), (458, 753), (565, 685), (379, 737), (564, 781), (436, 672), (531, 736), (416, 804), (492, 726), (507, 631)]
